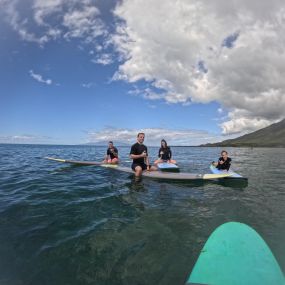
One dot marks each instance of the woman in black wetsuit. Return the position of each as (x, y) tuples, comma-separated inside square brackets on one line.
[(164, 154)]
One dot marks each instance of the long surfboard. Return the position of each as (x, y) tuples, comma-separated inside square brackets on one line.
[(150, 174), (235, 254), (233, 174)]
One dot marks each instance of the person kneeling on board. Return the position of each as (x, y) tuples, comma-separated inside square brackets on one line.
[(164, 154), (224, 162), (111, 156), (140, 157)]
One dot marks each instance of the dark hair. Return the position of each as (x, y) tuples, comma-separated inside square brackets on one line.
[(224, 151), (140, 134), (163, 140), (111, 142)]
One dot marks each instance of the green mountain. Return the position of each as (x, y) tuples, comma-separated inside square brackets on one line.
[(271, 136)]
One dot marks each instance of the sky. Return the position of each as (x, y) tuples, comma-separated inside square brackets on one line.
[(188, 71)]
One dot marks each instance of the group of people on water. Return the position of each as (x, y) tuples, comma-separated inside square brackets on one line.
[(139, 155)]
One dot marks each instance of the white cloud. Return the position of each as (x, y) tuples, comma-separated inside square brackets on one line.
[(39, 78), (43, 9), (25, 138), (83, 23), (240, 124), (54, 19), (104, 59), (146, 93), (87, 85), (154, 136), (232, 52)]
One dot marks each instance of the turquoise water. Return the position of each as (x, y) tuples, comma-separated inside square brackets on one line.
[(62, 224)]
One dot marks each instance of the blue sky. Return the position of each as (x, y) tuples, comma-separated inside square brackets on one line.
[(77, 72)]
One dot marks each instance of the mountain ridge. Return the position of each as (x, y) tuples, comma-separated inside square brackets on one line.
[(270, 136)]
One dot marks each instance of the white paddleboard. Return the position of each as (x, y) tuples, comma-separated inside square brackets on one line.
[(231, 172)]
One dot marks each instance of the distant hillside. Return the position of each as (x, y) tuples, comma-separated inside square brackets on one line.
[(271, 136)]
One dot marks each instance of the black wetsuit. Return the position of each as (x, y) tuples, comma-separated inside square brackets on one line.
[(165, 153), (226, 165), (138, 149), (109, 152)]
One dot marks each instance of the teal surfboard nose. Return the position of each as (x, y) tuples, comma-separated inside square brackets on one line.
[(235, 254)]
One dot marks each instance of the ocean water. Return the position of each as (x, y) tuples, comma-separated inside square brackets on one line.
[(62, 224)]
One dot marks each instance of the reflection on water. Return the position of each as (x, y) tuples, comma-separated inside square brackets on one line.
[(136, 184), (234, 183)]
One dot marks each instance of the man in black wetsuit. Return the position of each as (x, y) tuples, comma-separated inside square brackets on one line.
[(139, 156), (224, 162)]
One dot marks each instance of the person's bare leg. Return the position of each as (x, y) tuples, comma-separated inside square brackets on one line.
[(138, 171), (153, 168), (114, 161), (158, 161)]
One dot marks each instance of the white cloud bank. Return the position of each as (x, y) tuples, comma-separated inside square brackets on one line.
[(153, 136), (231, 52), (25, 139), (188, 51)]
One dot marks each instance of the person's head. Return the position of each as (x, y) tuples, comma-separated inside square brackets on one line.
[(111, 144), (224, 154), (163, 143), (140, 137)]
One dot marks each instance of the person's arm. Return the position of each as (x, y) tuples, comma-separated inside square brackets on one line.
[(221, 161), (229, 163), (115, 152), (135, 156), (170, 154), (146, 160)]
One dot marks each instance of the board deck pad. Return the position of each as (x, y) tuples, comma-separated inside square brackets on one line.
[(235, 254), (165, 166), (151, 174)]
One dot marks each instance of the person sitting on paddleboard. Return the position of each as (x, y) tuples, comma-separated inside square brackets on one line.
[(224, 162), (112, 154), (164, 154), (140, 157)]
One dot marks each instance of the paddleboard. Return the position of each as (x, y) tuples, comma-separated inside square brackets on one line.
[(78, 162), (232, 173), (235, 254), (150, 174), (165, 166)]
